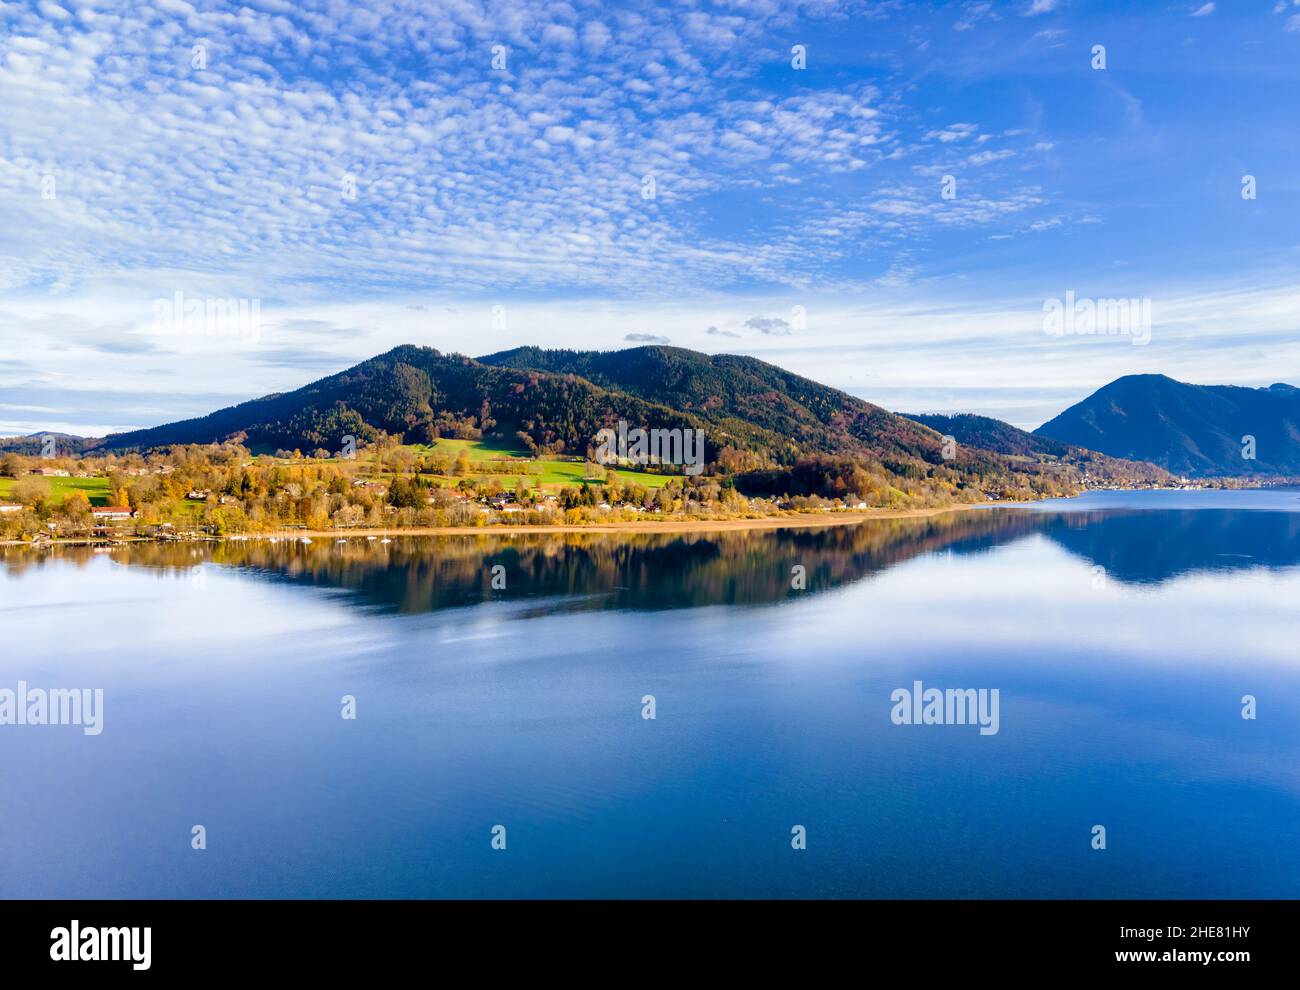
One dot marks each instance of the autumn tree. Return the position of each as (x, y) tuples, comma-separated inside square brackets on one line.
[(32, 490)]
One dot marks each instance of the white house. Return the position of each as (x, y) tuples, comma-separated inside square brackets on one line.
[(107, 513)]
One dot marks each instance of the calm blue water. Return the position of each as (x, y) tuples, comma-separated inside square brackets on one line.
[(1121, 632)]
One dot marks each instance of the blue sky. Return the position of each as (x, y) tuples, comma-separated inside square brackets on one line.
[(473, 176)]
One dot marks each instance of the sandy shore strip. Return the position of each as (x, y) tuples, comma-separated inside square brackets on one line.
[(807, 521)]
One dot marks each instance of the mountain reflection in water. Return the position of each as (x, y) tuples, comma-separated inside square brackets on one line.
[(547, 573)]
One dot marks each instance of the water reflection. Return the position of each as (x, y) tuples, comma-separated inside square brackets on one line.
[(1140, 547), (548, 573)]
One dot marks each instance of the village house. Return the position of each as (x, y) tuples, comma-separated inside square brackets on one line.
[(10, 507), (49, 472), (198, 495), (106, 517), (111, 513)]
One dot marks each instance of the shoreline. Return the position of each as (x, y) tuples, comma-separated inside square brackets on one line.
[(627, 526), (684, 525)]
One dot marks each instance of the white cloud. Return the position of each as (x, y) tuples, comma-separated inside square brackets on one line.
[(915, 333), (972, 13), (953, 132)]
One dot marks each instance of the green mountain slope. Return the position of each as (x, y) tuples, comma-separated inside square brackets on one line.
[(994, 435), (418, 393), (748, 400)]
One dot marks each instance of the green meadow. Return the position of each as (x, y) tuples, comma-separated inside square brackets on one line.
[(95, 489), (546, 471), (488, 449)]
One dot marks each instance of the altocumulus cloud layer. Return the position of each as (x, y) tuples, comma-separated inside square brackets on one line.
[(226, 139)]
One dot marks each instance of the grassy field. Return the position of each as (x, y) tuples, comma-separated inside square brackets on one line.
[(553, 471), (490, 449), (571, 473), (95, 489)]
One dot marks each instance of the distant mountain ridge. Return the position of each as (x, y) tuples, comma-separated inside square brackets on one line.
[(34, 444), (1196, 430), (990, 434), (994, 435), (556, 401)]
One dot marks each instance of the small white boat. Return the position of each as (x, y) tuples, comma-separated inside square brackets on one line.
[(340, 540), (304, 540), (385, 540)]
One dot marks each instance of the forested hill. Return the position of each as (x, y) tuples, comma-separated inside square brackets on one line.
[(776, 430), (990, 434), (559, 400), (994, 435), (743, 396), (417, 393)]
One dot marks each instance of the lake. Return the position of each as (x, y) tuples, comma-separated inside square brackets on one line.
[(1122, 632)]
